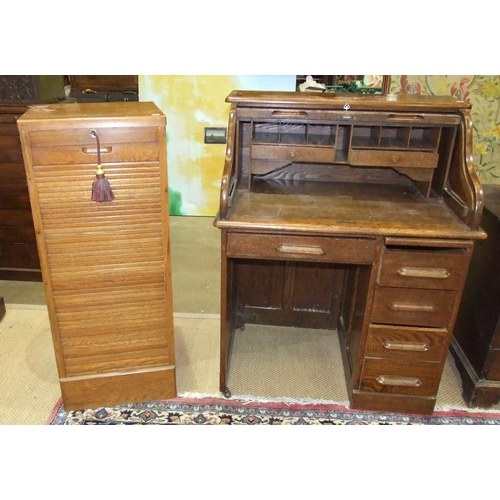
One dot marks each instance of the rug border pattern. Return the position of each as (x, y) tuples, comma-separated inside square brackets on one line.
[(213, 411)]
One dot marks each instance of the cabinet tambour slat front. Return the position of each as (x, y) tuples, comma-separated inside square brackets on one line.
[(105, 265)]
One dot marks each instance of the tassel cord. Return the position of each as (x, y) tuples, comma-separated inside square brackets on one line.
[(94, 134), (101, 189)]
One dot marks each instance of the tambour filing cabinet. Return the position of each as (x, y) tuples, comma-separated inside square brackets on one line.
[(356, 214), (105, 264)]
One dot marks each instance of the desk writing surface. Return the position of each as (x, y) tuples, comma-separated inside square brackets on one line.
[(344, 208)]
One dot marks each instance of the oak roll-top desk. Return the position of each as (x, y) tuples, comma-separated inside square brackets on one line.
[(356, 214)]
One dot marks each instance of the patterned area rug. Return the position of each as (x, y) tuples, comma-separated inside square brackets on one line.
[(211, 411)]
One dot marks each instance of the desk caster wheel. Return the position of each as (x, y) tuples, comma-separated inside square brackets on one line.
[(227, 393)]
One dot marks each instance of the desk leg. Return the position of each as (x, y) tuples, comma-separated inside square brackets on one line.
[(2, 308), (228, 305)]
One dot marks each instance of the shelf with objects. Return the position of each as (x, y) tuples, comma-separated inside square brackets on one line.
[(358, 84)]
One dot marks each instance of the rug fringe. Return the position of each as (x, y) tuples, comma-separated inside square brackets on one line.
[(249, 398), (466, 409)]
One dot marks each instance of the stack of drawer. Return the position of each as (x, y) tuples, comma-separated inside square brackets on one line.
[(414, 309)]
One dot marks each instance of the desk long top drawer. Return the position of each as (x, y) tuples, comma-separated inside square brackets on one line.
[(346, 250)]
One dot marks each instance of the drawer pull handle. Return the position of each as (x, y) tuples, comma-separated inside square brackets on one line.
[(93, 151), (424, 272), (405, 117), (408, 307), (395, 380), (406, 346), (290, 114), (300, 249)]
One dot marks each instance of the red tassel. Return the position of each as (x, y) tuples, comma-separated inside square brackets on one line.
[(101, 189)]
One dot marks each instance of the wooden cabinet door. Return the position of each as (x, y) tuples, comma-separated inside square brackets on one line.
[(106, 265)]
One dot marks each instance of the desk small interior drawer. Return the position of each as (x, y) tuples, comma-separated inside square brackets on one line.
[(400, 377), (298, 153), (413, 307), (420, 269), (341, 250), (77, 146), (393, 158), (404, 342)]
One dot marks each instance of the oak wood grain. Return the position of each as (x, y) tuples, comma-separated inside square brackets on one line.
[(106, 266)]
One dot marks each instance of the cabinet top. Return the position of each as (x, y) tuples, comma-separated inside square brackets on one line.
[(315, 100), (94, 111)]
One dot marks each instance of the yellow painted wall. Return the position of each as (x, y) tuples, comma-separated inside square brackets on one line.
[(191, 103)]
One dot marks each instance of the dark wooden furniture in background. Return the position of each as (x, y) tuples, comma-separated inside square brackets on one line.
[(351, 213), (106, 265), (104, 82), (31, 89), (18, 251), (2, 308), (476, 339), (104, 88)]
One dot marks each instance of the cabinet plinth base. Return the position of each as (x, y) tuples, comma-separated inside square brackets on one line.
[(110, 389)]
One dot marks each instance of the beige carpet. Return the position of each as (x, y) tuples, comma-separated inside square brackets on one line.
[(268, 363)]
